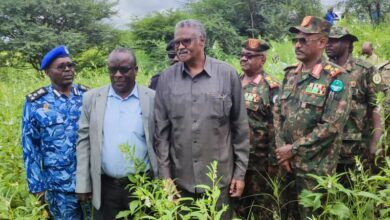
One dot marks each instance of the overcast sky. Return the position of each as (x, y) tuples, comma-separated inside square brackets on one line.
[(127, 9)]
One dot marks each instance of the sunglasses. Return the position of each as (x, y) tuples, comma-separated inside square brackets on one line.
[(121, 69), (302, 40), (250, 55), (62, 66), (185, 42)]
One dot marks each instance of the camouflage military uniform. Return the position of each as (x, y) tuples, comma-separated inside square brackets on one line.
[(49, 135), (312, 110), (260, 95), (384, 70), (356, 135)]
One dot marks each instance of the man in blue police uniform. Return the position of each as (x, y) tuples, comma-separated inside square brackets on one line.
[(49, 135)]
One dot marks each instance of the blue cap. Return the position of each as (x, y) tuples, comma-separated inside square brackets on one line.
[(59, 51)]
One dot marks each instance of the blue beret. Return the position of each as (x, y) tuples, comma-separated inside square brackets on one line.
[(59, 51)]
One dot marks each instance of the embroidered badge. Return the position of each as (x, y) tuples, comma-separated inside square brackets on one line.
[(316, 88), (336, 85), (306, 21), (353, 84), (45, 107), (377, 78), (253, 43)]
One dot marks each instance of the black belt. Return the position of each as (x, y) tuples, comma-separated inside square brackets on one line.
[(124, 181)]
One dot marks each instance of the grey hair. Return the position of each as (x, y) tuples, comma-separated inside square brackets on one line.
[(197, 25), (124, 50)]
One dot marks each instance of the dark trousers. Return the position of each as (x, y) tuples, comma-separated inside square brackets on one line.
[(224, 198), (114, 197)]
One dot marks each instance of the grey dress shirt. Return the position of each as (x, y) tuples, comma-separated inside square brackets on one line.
[(199, 120)]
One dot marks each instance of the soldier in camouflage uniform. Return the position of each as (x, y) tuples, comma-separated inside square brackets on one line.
[(357, 139), (384, 70), (49, 135), (260, 92), (312, 109)]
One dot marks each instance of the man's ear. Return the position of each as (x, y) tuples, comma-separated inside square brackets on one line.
[(323, 41), (263, 59), (202, 41)]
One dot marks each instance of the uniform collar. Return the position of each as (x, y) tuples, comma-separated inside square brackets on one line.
[(315, 72), (58, 94)]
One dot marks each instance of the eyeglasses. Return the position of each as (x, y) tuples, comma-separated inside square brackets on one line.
[(185, 42), (62, 66), (302, 40), (171, 55), (121, 69), (250, 55)]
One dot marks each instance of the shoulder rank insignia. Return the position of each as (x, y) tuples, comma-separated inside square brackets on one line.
[(377, 78), (335, 72), (271, 82), (36, 94), (316, 72), (316, 89)]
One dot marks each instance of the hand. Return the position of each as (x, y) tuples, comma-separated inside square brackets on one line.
[(236, 188), (170, 187), (84, 197), (284, 153), (286, 165)]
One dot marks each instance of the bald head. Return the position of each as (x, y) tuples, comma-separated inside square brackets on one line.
[(367, 48)]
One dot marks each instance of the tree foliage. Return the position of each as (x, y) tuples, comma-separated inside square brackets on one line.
[(374, 10), (227, 22), (34, 27)]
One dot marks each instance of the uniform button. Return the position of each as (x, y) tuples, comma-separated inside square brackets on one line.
[(195, 161), (195, 141), (194, 100), (194, 121)]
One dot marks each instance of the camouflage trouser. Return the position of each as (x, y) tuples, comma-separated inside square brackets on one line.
[(256, 200), (292, 185), (65, 206)]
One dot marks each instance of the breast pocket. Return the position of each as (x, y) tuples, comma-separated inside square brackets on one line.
[(218, 105), (313, 105), (53, 129)]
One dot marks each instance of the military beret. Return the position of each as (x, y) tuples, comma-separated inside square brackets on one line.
[(59, 51), (339, 32), (255, 45), (312, 25)]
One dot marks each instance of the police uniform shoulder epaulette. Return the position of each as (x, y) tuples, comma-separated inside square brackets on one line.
[(83, 88), (271, 82), (36, 94), (333, 69)]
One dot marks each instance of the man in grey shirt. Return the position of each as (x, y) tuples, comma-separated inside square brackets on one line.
[(200, 117)]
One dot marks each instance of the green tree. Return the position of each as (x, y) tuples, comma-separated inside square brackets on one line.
[(34, 27), (375, 10), (147, 32)]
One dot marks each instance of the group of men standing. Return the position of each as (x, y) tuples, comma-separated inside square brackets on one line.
[(202, 111)]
